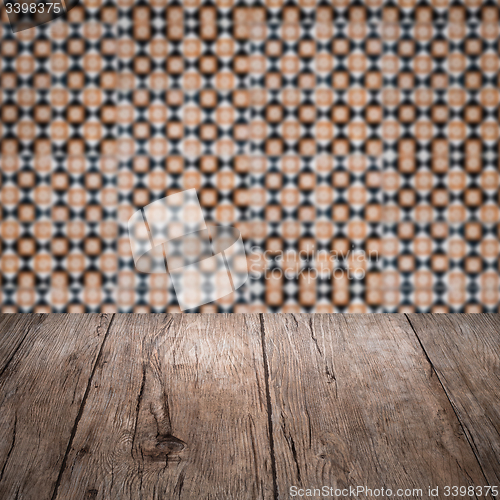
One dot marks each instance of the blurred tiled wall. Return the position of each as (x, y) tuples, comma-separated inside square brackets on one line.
[(355, 145)]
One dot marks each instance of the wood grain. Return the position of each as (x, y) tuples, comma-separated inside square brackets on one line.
[(40, 396), (14, 329), (177, 409), (245, 406), (464, 350), (355, 402)]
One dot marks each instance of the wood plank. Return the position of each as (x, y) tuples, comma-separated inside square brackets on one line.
[(41, 393), (464, 349), (355, 403), (13, 330), (177, 409)]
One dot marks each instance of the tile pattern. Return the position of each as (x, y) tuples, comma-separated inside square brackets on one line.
[(58, 163), (441, 80), (183, 116), (316, 156), (354, 144)]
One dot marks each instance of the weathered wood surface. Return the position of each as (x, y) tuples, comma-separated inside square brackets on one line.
[(364, 409), (14, 329), (41, 393), (244, 406), (177, 409), (464, 350)]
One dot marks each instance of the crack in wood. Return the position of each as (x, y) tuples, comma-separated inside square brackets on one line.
[(82, 407), (467, 434), (330, 375), (296, 320), (166, 443), (259, 388), (269, 407), (315, 340), (329, 371), (291, 445), (162, 446), (138, 407), (294, 454), (180, 483), (161, 414), (10, 449)]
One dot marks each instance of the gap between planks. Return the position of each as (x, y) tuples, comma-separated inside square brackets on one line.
[(464, 428), (80, 410), (269, 406)]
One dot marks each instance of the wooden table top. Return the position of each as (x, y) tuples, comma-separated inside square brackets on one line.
[(247, 406)]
